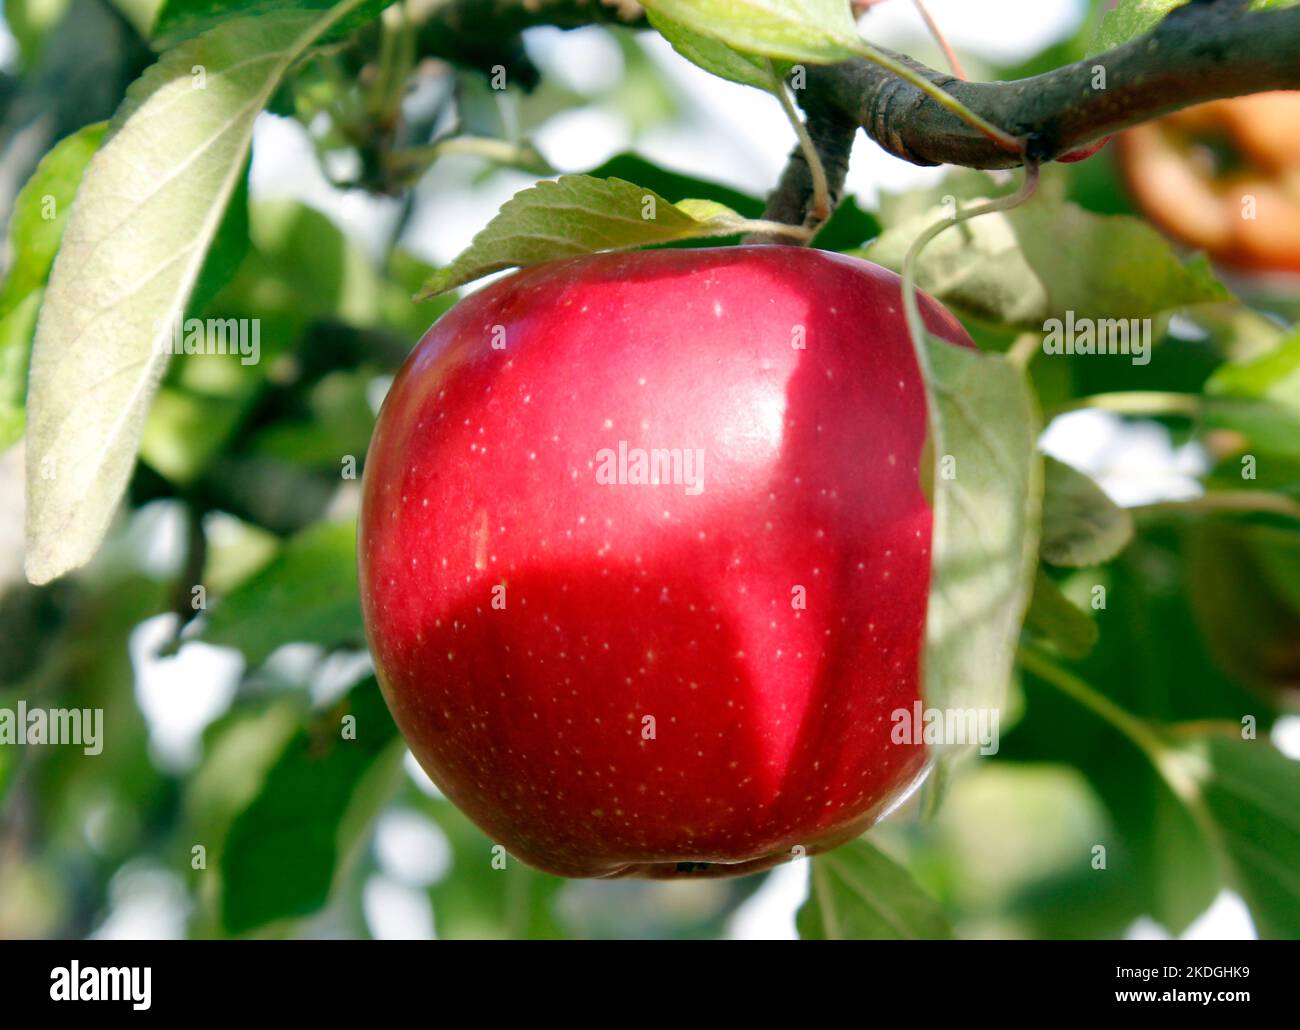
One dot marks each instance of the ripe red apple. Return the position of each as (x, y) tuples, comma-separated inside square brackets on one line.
[(614, 677)]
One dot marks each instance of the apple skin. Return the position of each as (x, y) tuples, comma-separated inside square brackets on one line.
[(771, 725), (1084, 152)]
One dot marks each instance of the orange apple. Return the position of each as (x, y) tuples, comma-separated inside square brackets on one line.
[(1223, 177)]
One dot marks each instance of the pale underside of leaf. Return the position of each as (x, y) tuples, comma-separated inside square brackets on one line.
[(1049, 259), (986, 523), (146, 211)]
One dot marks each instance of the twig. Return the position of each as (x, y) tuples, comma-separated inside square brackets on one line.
[(1135, 402), (949, 54), (821, 206), (1244, 502), (911, 307)]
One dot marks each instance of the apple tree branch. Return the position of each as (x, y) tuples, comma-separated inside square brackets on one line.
[(1203, 50)]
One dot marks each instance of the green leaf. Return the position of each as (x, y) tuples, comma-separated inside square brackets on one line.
[(303, 269), (307, 592), (671, 183), (577, 214), (1235, 801), (139, 13), (300, 273), (1148, 661), (1157, 859), (226, 251), (16, 329), (147, 211), (1058, 620), (1274, 374), (284, 850), (715, 56), (1129, 19), (847, 227), (341, 423), (858, 893), (1243, 587), (1268, 427), (966, 186), (238, 751), (1049, 259), (179, 20), (1259, 398), (816, 31), (1252, 793), (480, 900), (988, 490), (40, 213), (1081, 525), (32, 22), (186, 429), (1012, 849), (704, 210)]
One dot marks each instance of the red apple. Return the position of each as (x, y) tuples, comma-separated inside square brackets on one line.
[(621, 678)]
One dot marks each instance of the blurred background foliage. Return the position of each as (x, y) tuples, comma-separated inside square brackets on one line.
[(225, 804)]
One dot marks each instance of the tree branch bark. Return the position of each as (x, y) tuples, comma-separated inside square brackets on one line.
[(1202, 51), (791, 201)]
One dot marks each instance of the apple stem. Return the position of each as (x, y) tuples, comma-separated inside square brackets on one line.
[(763, 228), (911, 307)]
